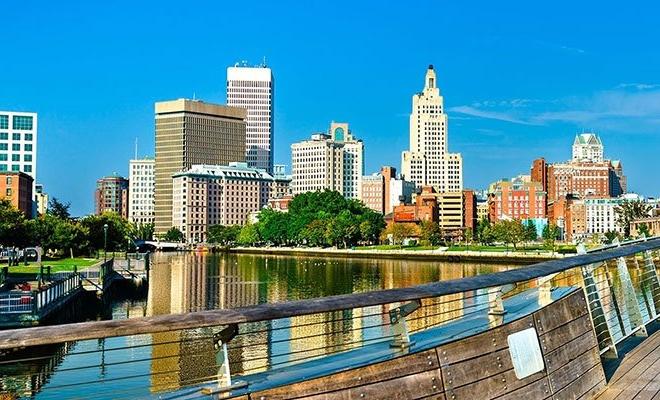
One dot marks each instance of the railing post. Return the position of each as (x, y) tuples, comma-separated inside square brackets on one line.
[(225, 383), (651, 273), (601, 326), (399, 325), (629, 297)]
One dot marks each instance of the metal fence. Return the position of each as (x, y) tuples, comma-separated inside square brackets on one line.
[(246, 349), (16, 302)]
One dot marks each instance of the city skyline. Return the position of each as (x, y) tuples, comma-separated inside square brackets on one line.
[(509, 99)]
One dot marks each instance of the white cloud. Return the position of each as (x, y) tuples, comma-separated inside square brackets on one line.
[(476, 112)]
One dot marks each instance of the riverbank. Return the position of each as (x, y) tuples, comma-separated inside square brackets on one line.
[(440, 254)]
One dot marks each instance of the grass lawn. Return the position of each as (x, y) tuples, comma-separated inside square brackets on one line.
[(395, 247), (60, 265)]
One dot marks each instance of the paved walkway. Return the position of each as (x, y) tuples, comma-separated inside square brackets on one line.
[(638, 376)]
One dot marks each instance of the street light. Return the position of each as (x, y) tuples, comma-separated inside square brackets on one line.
[(105, 242)]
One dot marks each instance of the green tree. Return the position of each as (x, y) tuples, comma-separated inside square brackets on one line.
[(343, 230), (314, 232), (371, 225), (71, 236), (530, 231), (629, 211), (643, 230), (118, 229), (610, 236), (222, 234), (399, 232), (509, 232), (550, 235), (483, 231), (138, 231), (468, 235), (13, 230), (173, 235), (272, 226), (59, 209), (430, 233), (249, 235)]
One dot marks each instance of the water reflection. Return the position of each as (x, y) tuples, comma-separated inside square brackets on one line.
[(192, 282)]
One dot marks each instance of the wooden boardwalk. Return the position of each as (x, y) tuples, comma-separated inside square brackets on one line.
[(638, 376)]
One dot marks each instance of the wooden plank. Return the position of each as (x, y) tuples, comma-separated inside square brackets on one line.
[(415, 386), (558, 337), (565, 310), (575, 369), (483, 343), (570, 351), (645, 382), (648, 346), (537, 390), (398, 367), (263, 312), (491, 387), (475, 369), (585, 386)]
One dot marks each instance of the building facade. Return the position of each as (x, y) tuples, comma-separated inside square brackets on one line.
[(587, 147), (428, 161), (111, 195), (41, 199), (190, 132), (401, 191), (18, 143), (141, 190), (332, 161), (373, 192), (517, 199), (208, 195), (253, 88), (469, 210), (16, 187)]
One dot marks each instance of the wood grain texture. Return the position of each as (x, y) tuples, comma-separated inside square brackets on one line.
[(575, 369), (475, 369), (565, 310), (569, 351), (492, 387), (536, 390), (103, 329), (570, 331), (587, 385), (402, 366)]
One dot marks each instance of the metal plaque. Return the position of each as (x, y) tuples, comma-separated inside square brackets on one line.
[(525, 353)]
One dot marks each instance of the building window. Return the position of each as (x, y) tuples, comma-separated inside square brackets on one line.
[(16, 157), (28, 147), (8, 192), (4, 121), (16, 136), (4, 135), (3, 146), (28, 137), (15, 167), (22, 122), (3, 167), (15, 147), (3, 157), (27, 157), (27, 168)]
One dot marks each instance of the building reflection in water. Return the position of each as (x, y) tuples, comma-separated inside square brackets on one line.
[(191, 282)]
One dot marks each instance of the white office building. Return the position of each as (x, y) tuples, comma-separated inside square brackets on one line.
[(587, 147), (18, 143), (252, 88), (428, 162), (141, 180), (332, 161), (601, 215)]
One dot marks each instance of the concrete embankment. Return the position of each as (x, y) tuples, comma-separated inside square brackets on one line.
[(529, 257)]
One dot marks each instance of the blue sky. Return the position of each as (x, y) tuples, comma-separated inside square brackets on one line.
[(519, 78)]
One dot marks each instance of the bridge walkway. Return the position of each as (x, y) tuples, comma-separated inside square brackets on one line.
[(638, 375)]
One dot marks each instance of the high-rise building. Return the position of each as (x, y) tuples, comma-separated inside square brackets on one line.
[(332, 161), (587, 147), (111, 195), (18, 143), (253, 89), (192, 132), (41, 198), (16, 187), (208, 195), (141, 190), (428, 161)]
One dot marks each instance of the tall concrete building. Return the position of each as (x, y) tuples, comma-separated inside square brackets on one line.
[(141, 190), (332, 161), (111, 195), (192, 132), (18, 143), (428, 161), (253, 89)]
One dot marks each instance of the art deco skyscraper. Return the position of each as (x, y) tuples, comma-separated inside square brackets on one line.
[(428, 161), (252, 88), (192, 132)]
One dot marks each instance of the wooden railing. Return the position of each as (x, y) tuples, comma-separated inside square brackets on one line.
[(616, 310)]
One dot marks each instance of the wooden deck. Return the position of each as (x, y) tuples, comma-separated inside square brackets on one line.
[(638, 376)]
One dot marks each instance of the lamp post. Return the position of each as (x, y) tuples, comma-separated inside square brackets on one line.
[(105, 242)]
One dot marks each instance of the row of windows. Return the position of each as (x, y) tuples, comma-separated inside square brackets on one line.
[(16, 157), (22, 122), (16, 168), (16, 136), (15, 147)]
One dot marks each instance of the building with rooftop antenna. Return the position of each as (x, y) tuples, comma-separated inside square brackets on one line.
[(253, 88)]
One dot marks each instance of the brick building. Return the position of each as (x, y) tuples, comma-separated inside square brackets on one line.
[(517, 199), (17, 188), (111, 195)]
